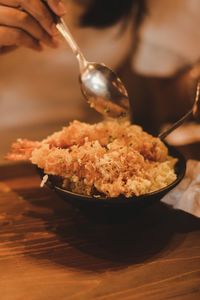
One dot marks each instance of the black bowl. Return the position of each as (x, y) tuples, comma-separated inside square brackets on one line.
[(118, 208)]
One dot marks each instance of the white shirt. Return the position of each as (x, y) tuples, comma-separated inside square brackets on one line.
[(169, 37)]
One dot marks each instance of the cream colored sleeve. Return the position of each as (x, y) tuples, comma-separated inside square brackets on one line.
[(169, 37)]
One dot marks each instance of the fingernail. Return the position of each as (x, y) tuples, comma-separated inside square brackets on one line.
[(54, 30), (61, 8), (50, 42)]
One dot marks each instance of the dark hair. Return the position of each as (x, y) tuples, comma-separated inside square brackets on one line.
[(104, 13)]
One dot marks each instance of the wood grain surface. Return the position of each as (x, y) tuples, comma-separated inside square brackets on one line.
[(50, 251)]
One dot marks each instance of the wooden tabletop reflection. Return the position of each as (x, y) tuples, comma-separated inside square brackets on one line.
[(50, 251)]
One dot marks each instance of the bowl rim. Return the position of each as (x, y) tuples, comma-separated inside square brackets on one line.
[(180, 169)]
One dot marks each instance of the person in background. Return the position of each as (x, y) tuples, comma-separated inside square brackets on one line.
[(164, 61), (165, 44)]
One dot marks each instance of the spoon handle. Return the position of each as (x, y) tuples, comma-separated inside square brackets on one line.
[(196, 107), (194, 112), (165, 133), (64, 30)]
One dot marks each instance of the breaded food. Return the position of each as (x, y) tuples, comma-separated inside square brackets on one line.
[(110, 158)]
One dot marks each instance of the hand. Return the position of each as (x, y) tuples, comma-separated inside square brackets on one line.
[(28, 23)]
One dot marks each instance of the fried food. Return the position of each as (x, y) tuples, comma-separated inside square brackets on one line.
[(110, 158)]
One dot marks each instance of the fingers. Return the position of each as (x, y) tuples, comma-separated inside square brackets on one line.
[(12, 17), (28, 22), (57, 7), (39, 11), (7, 49), (10, 37)]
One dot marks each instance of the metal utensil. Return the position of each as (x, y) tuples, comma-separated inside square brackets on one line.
[(101, 87), (195, 112)]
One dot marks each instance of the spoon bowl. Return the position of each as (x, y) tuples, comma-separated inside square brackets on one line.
[(104, 90), (101, 87)]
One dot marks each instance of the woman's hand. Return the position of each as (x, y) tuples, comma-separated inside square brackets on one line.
[(27, 23)]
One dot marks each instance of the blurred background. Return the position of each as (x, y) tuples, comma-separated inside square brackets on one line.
[(154, 47)]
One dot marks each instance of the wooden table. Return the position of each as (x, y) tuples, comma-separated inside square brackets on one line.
[(50, 251)]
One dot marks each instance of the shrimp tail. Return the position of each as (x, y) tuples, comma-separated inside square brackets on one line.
[(22, 149)]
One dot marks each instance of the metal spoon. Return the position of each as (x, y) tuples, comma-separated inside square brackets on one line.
[(101, 87), (195, 112)]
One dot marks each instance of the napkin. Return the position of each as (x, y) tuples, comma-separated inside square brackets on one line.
[(186, 196)]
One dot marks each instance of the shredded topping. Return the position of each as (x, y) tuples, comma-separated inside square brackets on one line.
[(110, 158)]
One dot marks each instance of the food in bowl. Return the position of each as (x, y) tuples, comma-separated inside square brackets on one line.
[(110, 158)]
